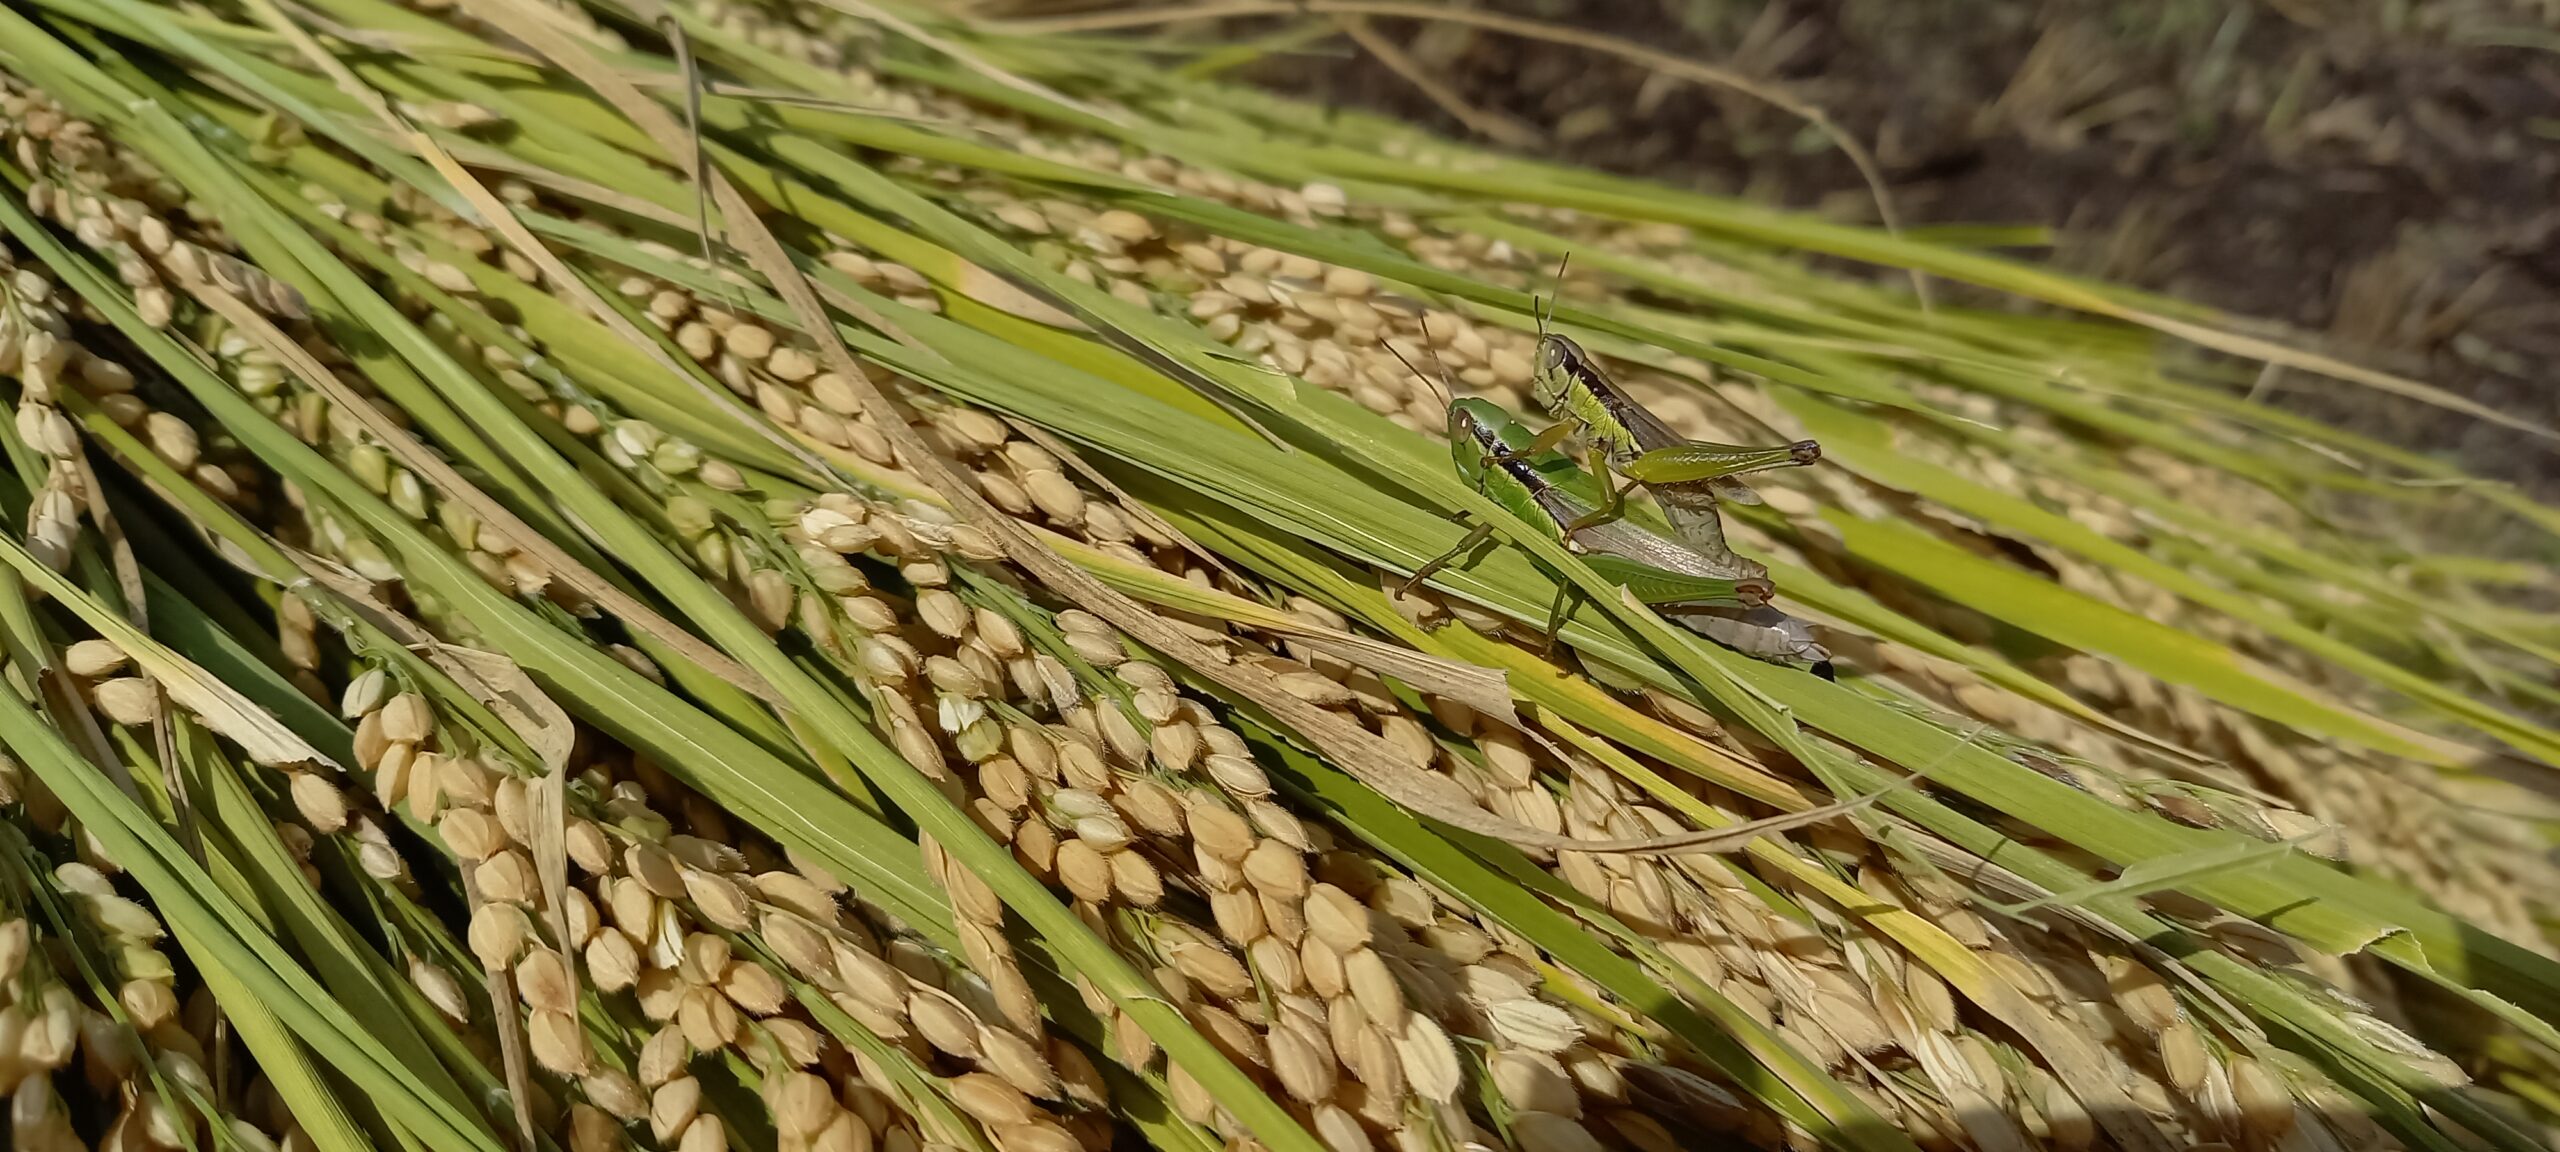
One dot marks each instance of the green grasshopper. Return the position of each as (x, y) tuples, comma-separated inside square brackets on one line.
[(1624, 439), (1727, 603)]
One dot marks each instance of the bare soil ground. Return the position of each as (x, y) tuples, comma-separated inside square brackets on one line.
[(2380, 172)]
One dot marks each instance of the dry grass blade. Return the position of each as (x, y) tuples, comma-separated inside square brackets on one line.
[(1506, 130), (217, 704), (2156, 875), (501, 985), (1731, 838)]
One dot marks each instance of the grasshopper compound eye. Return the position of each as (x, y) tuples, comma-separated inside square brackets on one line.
[(1560, 353)]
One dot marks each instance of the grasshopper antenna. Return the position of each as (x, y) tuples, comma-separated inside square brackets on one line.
[(1438, 365), (1449, 392), (1543, 309)]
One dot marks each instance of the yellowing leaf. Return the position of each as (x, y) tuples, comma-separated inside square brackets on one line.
[(261, 737)]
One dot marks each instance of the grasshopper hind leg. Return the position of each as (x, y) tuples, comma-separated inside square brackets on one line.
[(1475, 536), (1613, 506), (1556, 608), (1555, 619)]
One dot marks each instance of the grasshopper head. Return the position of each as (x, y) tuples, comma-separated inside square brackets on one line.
[(1476, 433), (1478, 423), (1561, 367)]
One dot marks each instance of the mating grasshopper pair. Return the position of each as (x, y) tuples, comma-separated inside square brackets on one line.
[(1692, 578), (1623, 438)]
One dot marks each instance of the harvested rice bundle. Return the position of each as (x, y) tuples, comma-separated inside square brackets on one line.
[(914, 668)]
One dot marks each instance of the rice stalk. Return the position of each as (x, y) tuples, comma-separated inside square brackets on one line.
[(997, 855)]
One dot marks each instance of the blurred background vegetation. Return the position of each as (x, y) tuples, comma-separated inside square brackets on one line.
[(2377, 173)]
